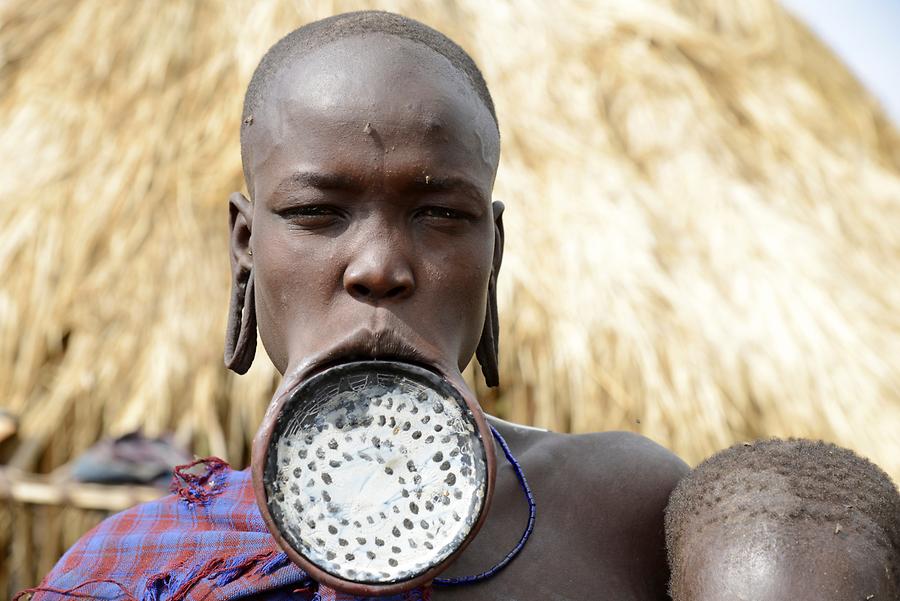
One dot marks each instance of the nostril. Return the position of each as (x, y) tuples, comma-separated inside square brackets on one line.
[(360, 290), (395, 291)]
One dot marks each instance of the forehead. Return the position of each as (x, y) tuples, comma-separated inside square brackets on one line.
[(767, 560), (377, 66), (331, 100)]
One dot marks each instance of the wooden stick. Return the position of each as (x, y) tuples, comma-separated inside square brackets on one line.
[(19, 486)]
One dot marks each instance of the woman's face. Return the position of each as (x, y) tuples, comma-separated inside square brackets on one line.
[(371, 163)]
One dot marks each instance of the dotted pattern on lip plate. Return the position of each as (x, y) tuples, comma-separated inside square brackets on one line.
[(379, 478)]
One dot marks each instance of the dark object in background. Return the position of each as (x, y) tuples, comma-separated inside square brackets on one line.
[(8, 425), (130, 459)]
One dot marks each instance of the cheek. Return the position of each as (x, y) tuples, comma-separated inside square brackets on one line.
[(458, 277), (294, 279)]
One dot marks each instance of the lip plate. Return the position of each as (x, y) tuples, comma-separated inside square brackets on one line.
[(274, 418)]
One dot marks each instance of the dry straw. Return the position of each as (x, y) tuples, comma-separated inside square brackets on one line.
[(703, 221)]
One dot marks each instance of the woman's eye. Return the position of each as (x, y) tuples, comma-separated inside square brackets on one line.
[(313, 211), (309, 214), (442, 213)]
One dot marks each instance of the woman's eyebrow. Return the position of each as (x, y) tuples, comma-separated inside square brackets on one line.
[(446, 183), (327, 180), (316, 179)]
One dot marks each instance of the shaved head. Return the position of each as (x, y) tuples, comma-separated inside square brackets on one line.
[(298, 44), (781, 519)]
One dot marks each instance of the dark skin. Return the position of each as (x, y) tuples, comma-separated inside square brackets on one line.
[(771, 562), (372, 163)]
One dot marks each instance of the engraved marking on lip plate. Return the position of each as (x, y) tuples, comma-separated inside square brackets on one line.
[(378, 478)]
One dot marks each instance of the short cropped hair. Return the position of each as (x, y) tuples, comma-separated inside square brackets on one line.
[(299, 42), (818, 482)]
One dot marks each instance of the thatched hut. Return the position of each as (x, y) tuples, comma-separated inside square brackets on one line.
[(703, 222)]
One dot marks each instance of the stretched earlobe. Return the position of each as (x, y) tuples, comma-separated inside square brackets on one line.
[(240, 335), (488, 350)]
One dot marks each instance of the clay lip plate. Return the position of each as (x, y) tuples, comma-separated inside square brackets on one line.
[(373, 475)]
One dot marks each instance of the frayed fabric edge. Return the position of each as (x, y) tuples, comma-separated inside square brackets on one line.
[(199, 488), (160, 586), (73, 592)]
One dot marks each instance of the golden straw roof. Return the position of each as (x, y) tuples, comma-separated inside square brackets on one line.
[(703, 221)]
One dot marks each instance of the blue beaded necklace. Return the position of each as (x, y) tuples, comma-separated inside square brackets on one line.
[(463, 580)]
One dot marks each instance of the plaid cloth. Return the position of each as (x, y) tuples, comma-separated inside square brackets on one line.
[(205, 541)]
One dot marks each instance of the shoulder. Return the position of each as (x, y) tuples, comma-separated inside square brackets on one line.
[(620, 473), (603, 496), (96, 563), (626, 474), (212, 519), (632, 465)]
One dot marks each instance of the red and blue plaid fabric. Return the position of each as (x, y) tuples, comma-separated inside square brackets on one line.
[(206, 541)]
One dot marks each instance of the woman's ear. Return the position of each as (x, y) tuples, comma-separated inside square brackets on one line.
[(498, 208), (240, 334), (488, 350), (240, 219)]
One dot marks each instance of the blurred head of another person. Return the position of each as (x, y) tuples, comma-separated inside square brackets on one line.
[(777, 520)]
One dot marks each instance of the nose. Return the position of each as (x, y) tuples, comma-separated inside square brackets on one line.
[(380, 271)]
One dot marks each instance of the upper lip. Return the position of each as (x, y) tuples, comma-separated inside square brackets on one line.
[(367, 344)]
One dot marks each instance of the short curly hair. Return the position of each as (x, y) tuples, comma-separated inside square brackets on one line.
[(789, 481), (299, 42)]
